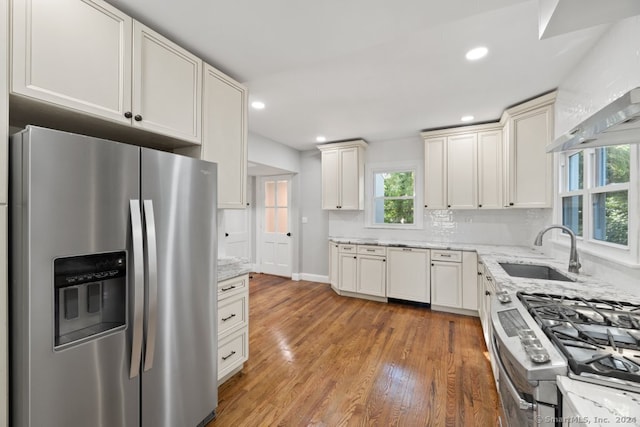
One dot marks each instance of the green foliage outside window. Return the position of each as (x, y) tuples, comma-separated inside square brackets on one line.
[(395, 192)]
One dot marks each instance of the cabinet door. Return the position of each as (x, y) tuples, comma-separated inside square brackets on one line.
[(408, 274), (347, 271), (349, 179), (333, 265), (371, 275), (490, 169), (330, 173), (446, 284), (435, 173), (167, 86), (530, 171), (224, 136), (469, 281), (462, 171), (76, 54)]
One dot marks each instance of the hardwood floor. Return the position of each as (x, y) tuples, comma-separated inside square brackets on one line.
[(316, 358)]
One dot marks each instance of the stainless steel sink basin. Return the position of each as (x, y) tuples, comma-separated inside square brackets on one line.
[(534, 271)]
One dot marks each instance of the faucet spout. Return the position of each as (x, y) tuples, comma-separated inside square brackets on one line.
[(574, 262)]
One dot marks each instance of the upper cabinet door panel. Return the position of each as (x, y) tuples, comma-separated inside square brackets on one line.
[(350, 179), (75, 53), (435, 173), (225, 135), (461, 171), (490, 169), (330, 179), (167, 88)]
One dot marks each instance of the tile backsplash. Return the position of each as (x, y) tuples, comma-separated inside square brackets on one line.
[(493, 227)]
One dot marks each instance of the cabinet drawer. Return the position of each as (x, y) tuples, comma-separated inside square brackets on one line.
[(451, 256), (233, 313), (233, 286), (372, 250), (347, 249), (232, 352)]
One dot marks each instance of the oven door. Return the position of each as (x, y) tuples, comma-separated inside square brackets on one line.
[(518, 411)]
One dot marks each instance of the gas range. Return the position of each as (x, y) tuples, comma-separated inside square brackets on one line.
[(599, 338)]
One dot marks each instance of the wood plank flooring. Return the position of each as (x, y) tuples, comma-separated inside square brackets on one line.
[(319, 359)]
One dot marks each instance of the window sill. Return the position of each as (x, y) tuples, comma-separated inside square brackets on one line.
[(623, 257), (394, 227)]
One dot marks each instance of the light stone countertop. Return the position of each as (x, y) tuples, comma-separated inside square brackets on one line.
[(599, 406), (230, 267), (585, 286)]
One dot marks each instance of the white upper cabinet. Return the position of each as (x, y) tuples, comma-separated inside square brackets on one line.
[(87, 56), (76, 54), (528, 175), (224, 138), (435, 173), (490, 169), (167, 86), (343, 175), (462, 167)]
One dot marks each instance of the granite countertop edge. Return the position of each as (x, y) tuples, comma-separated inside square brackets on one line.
[(230, 267)]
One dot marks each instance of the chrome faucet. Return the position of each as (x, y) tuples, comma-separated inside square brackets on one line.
[(574, 262)]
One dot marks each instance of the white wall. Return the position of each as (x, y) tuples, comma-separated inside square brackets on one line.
[(268, 152), (608, 71)]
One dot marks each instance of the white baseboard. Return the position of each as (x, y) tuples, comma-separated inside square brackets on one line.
[(310, 277)]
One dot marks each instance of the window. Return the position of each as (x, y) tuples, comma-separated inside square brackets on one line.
[(596, 187), (393, 197)]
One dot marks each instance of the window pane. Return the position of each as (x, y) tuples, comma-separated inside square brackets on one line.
[(398, 184), (611, 217), (282, 193), (269, 220), (612, 165), (283, 223), (397, 211), (574, 180), (269, 193), (572, 213)]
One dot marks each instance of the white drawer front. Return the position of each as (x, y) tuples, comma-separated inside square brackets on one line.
[(372, 250), (232, 352), (451, 256), (348, 249), (233, 313), (233, 286)]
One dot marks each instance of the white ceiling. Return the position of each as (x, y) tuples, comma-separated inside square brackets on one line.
[(372, 69)]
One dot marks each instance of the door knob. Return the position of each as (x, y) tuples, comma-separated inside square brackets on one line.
[(289, 234)]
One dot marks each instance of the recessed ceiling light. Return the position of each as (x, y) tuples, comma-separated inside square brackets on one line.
[(466, 118), (477, 53), (258, 105), (321, 138)]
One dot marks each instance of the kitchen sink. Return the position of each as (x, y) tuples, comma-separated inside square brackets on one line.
[(534, 271)]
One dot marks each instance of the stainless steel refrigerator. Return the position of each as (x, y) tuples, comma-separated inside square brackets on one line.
[(113, 267)]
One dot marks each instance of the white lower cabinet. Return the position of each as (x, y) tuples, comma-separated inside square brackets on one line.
[(333, 264), (408, 274), (371, 275), (454, 281), (233, 326), (362, 270), (347, 268)]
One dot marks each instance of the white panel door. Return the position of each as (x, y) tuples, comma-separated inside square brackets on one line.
[(167, 86), (275, 237), (73, 53)]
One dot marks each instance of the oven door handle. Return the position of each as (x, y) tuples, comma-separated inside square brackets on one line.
[(522, 404)]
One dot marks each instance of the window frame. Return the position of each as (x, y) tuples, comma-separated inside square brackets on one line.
[(370, 199), (627, 255)]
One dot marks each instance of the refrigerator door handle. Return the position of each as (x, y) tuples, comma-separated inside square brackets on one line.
[(138, 288), (151, 320)]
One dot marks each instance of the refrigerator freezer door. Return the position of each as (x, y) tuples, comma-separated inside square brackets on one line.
[(70, 196), (181, 388)]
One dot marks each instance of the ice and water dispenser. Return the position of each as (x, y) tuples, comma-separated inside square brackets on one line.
[(90, 296)]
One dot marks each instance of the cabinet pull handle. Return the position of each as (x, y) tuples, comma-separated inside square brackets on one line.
[(228, 289), (489, 278), (384, 260), (448, 206), (510, 203), (479, 206), (128, 114), (433, 265), (138, 118), (487, 293), (354, 257), (228, 356), (426, 206), (371, 250), (406, 249), (445, 255), (479, 274), (226, 234), (231, 316)]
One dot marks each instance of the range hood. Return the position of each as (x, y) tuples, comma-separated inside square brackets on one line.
[(617, 123)]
